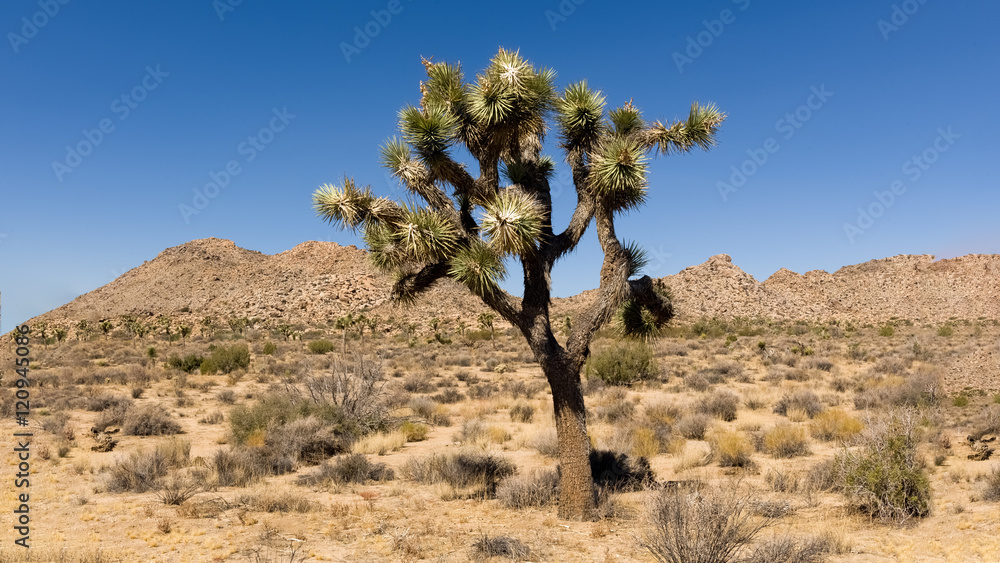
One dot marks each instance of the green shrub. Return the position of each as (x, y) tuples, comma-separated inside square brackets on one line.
[(230, 358), (887, 330), (187, 364), (269, 348), (321, 346), (945, 331), (208, 367), (885, 477), (623, 363)]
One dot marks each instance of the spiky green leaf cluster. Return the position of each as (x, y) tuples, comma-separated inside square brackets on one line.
[(580, 115), (478, 267), (642, 321), (626, 120), (347, 205), (429, 130), (698, 131), (618, 173), (637, 258), (512, 221)]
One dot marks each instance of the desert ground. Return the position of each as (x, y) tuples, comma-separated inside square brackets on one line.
[(436, 443)]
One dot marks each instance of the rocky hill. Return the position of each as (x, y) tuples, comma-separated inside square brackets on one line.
[(317, 282)]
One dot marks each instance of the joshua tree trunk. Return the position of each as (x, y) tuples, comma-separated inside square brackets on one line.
[(576, 496)]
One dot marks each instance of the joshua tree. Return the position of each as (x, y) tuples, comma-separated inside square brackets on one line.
[(106, 327), (82, 330), (500, 118), (345, 323), (60, 334), (185, 331), (486, 322)]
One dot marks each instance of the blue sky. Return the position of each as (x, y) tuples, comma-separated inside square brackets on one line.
[(832, 106)]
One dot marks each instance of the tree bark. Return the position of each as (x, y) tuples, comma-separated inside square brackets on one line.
[(576, 488)]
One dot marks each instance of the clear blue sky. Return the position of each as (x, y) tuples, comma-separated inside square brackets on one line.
[(196, 85)]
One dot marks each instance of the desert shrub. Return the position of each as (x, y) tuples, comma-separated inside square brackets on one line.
[(352, 468), (353, 388), (138, 472), (785, 549), (239, 468), (662, 411), (884, 477), (228, 359), (522, 412), (723, 404), (614, 406), (546, 442), (824, 476), (988, 422), (699, 526), (538, 488), (518, 388), (488, 546), (692, 426), (177, 490), (890, 365), (619, 472), (463, 469), (309, 440), (482, 390), (991, 488), (227, 396), (786, 440), (697, 382), (269, 348), (449, 396), (887, 330), (321, 347), (175, 452), (105, 401), (187, 364), (834, 424), (918, 389), (209, 367), (58, 424), (732, 449), (148, 420), (274, 411), (414, 431), (720, 372), (418, 384), (803, 399), (623, 363)]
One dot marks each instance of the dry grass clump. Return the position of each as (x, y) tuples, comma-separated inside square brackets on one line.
[(991, 487), (487, 547), (538, 488), (351, 468), (546, 442), (722, 404), (380, 443), (732, 449), (787, 549), (693, 426), (662, 411), (479, 432), (522, 412), (918, 389), (415, 432), (474, 469), (614, 406), (700, 524), (803, 400), (786, 440), (835, 424), (275, 501), (138, 472)]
